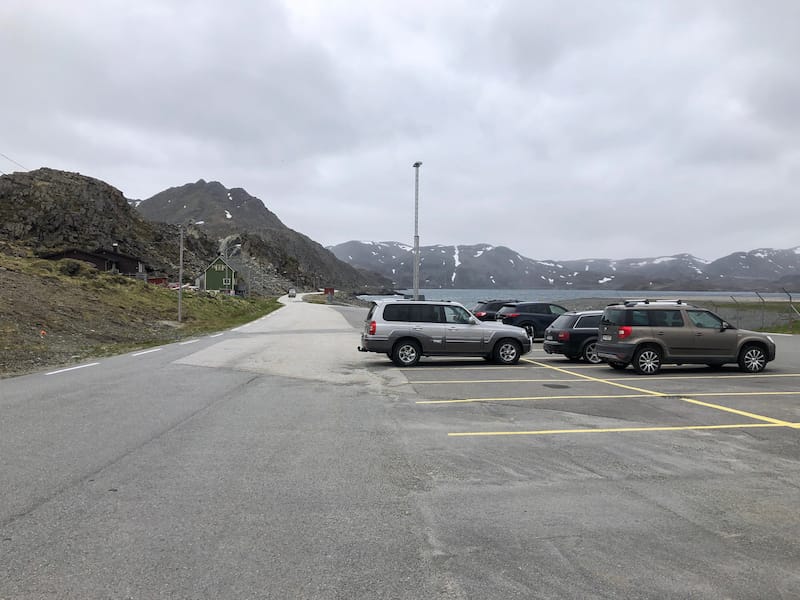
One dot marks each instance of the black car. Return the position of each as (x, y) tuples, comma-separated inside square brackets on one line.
[(486, 310), (574, 334), (534, 317)]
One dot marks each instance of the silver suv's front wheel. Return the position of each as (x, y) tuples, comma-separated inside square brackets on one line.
[(752, 359), (507, 352)]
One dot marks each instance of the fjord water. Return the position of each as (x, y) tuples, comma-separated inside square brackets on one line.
[(470, 297)]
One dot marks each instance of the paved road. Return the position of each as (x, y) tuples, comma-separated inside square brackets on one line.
[(275, 461)]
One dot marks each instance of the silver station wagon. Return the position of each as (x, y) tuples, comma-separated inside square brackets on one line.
[(406, 330)]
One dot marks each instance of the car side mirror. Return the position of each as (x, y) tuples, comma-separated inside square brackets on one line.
[(473, 321), (726, 325)]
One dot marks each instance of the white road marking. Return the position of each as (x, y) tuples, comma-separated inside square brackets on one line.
[(146, 351), (72, 368)]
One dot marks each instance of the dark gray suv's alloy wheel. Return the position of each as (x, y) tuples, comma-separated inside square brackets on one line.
[(647, 360), (406, 353), (752, 359)]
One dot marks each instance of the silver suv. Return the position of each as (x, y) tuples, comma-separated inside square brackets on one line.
[(405, 330), (649, 333)]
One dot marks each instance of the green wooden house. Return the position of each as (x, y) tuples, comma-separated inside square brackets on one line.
[(221, 276)]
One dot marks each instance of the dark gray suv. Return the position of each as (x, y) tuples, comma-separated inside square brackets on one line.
[(649, 333), (405, 330)]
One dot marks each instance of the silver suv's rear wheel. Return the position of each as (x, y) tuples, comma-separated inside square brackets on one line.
[(752, 359), (647, 360), (405, 353), (507, 352)]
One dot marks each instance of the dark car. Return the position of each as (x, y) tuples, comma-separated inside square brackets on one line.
[(534, 317), (486, 310), (574, 334)]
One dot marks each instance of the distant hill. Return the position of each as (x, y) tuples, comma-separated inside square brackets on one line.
[(47, 210), (485, 266), (248, 230)]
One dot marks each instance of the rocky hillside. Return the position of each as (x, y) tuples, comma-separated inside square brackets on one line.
[(485, 266), (247, 229), (48, 210)]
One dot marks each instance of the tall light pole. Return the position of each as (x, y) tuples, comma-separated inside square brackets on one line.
[(416, 166)]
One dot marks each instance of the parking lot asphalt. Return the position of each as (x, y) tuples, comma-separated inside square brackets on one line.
[(680, 398), (562, 479)]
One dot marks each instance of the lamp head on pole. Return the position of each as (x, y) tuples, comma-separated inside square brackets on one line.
[(417, 165)]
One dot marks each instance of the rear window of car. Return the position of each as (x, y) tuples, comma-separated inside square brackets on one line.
[(419, 313), (615, 316), (371, 312), (563, 322), (586, 322)]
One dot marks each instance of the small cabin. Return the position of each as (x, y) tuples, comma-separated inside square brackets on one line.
[(222, 276), (103, 260)]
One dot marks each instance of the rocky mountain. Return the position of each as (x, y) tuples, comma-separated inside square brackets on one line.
[(486, 266), (248, 230), (48, 211)]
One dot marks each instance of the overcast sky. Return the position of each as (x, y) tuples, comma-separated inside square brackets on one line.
[(560, 129)]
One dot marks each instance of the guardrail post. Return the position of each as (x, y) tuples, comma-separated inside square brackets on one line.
[(763, 309), (791, 316), (738, 320)]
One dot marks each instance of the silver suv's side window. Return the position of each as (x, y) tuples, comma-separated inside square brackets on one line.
[(703, 318), (456, 314), (415, 313)]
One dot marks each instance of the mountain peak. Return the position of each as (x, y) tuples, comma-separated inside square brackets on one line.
[(218, 210)]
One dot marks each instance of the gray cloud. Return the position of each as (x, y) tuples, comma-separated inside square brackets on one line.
[(562, 131)]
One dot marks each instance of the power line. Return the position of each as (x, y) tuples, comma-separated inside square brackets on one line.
[(13, 161)]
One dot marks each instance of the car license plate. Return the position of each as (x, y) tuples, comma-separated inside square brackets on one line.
[(549, 337), (606, 338)]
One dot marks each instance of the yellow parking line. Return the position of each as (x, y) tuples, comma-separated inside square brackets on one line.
[(608, 379), (457, 381), (593, 396), (737, 412), (573, 397), (619, 429), (706, 404)]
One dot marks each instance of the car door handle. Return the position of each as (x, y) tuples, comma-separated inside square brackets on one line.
[(416, 328), (699, 333)]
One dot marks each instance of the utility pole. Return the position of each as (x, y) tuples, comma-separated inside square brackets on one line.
[(416, 166), (180, 275)]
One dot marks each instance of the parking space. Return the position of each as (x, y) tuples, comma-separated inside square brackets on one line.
[(547, 396), (562, 471)]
